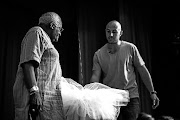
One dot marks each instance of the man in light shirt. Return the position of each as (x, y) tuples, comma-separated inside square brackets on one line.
[(117, 61)]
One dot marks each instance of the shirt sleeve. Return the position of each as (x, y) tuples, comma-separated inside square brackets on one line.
[(32, 47), (138, 61), (96, 65)]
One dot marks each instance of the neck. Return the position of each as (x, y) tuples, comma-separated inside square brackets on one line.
[(115, 44), (118, 43), (114, 47)]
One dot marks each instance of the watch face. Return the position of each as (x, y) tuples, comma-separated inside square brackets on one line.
[(34, 88)]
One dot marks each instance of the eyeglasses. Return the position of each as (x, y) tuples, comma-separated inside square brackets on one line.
[(61, 29)]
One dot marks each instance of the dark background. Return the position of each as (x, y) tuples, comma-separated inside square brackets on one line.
[(166, 55), (153, 26)]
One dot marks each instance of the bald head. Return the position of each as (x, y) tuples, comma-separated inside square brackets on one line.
[(113, 32), (113, 24), (51, 17)]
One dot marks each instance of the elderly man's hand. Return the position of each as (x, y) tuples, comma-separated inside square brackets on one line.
[(35, 104)]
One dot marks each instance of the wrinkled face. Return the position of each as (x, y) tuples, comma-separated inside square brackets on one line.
[(113, 32), (56, 32)]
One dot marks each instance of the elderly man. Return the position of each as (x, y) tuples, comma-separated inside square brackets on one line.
[(36, 89), (117, 60)]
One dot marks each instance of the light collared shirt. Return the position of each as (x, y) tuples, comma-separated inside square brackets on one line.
[(37, 46)]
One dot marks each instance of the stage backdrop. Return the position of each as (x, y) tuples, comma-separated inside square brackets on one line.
[(84, 24)]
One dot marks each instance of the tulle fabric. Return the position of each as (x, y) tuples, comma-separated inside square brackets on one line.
[(95, 99)]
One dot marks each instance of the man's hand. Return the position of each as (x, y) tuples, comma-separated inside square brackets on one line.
[(155, 100), (35, 104)]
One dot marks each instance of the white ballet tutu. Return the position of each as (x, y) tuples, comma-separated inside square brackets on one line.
[(95, 99)]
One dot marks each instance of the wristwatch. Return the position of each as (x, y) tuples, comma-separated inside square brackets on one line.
[(153, 92), (34, 89)]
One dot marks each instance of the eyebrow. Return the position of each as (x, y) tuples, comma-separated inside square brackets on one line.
[(111, 30)]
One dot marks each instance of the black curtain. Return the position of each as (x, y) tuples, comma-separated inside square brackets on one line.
[(84, 23), (166, 56)]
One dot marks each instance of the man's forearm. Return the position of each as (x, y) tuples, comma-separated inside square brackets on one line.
[(94, 79), (146, 78), (29, 75), (95, 76)]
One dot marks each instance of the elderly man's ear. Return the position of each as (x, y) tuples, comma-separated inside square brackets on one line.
[(52, 26)]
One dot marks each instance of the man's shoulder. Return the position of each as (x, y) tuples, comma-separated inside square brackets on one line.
[(40, 32), (102, 49), (126, 43), (35, 28)]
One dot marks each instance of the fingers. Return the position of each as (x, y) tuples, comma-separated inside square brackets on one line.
[(154, 106), (155, 103)]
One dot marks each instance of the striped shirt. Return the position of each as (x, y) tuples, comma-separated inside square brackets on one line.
[(37, 46)]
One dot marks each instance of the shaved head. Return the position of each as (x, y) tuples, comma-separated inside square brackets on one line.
[(113, 32), (113, 24)]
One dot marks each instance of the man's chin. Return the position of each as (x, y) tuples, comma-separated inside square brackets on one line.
[(55, 40), (112, 42)]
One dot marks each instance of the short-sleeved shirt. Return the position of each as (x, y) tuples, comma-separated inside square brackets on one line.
[(37, 46), (119, 68)]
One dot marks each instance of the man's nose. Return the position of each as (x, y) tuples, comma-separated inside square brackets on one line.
[(111, 34), (59, 33)]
